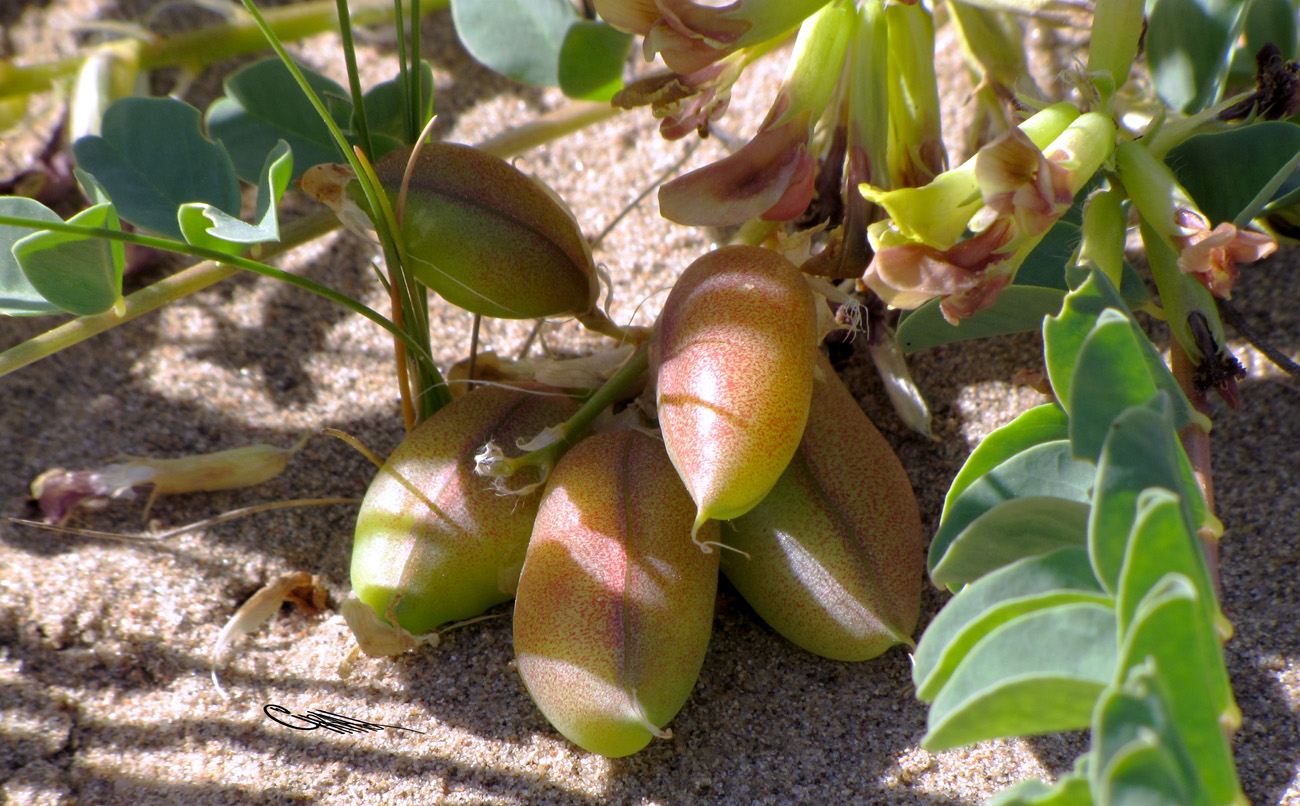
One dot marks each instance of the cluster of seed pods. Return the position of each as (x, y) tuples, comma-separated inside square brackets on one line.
[(762, 456)]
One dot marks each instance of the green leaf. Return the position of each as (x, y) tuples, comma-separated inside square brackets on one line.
[(1038, 673), (1159, 544), (1043, 470), (18, 297), (1019, 308), (1026, 585), (1040, 424), (1141, 451), (1189, 46), (1144, 773), (520, 39), (1266, 21), (385, 106), (1109, 377), (151, 170), (90, 186), (1225, 183), (264, 105), (1070, 790), (1169, 627), (1063, 338), (1141, 757), (591, 60), (1021, 527), (80, 274), (205, 225)]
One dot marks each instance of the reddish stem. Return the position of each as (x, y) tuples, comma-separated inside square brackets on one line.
[(1196, 443)]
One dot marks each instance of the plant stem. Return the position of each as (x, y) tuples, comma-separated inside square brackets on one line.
[(211, 44), (544, 458), (551, 126), (202, 275), (213, 270), (1196, 443)]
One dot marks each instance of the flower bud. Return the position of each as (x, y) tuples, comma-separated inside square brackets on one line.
[(834, 550), (615, 605), (734, 351), (434, 543)]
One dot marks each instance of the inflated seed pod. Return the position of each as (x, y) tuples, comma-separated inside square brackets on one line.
[(615, 604), (484, 235), (734, 351), (835, 559), (435, 542)]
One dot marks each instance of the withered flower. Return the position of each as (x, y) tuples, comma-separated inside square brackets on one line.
[(1212, 255)]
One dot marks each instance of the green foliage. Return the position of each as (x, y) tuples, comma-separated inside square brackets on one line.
[(263, 106), (18, 297), (1228, 188), (1047, 470), (150, 171), (520, 39), (591, 60), (1121, 636), (544, 43), (1189, 45), (79, 274), (206, 226)]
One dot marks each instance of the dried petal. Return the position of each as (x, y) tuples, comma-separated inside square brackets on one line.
[(1212, 255)]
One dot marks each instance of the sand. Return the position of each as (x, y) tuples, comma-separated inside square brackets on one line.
[(105, 696)]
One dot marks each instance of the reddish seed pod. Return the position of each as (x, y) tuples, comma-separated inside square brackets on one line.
[(434, 542), (615, 605), (835, 559), (734, 351)]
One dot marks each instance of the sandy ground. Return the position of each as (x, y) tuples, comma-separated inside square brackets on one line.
[(104, 647)]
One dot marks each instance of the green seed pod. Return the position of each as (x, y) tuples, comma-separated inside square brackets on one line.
[(734, 351), (834, 550), (484, 235), (434, 542), (488, 237), (615, 605)]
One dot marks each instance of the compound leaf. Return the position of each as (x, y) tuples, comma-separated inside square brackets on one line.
[(1109, 376), (1045, 470), (1141, 451), (205, 225), (1038, 673), (151, 170), (1038, 425), (1028, 584), (520, 39), (79, 273), (1021, 527), (263, 105), (18, 297)]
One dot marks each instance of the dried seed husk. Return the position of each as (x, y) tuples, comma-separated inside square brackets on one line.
[(733, 353), (489, 238), (835, 560), (434, 542), (615, 604)]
